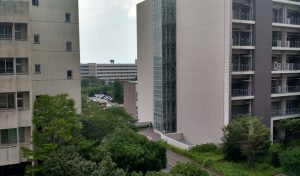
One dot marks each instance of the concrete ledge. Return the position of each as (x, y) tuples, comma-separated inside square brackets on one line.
[(176, 139)]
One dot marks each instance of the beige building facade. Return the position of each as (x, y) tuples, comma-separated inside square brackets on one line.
[(233, 58), (109, 72), (39, 54)]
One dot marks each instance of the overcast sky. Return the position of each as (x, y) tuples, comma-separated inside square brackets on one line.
[(108, 30)]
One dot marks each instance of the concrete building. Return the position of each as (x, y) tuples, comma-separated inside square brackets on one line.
[(39, 54), (233, 58), (130, 97), (123, 72)]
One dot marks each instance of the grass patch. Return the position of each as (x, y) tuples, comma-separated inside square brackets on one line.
[(216, 162)]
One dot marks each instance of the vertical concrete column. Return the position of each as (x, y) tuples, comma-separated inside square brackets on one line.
[(263, 56)]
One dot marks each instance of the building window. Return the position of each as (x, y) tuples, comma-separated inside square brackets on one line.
[(68, 46), (67, 17), (37, 68), (20, 100), (35, 2), (8, 136), (36, 39), (69, 74), (5, 31), (22, 135), (6, 66), (7, 101)]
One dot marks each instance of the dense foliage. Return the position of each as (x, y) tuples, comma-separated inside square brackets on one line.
[(290, 160), (98, 143), (246, 138), (133, 152)]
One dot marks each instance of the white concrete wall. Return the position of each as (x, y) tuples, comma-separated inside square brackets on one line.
[(202, 67), (145, 61)]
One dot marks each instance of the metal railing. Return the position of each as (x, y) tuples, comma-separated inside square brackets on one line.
[(277, 112), (295, 21), (285, 66), (276, 90), (292, 89), (289, 44), (277, 19), (241, 42), (6, 37), (241, 67), (292, 111), (241, 92), (242, 16)]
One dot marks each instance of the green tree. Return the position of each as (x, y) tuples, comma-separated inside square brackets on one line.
[(290, 160), (98, 123), (56, 124), (108, 168), (133, 152), (291, 129), (188, 169), (67, 162), (246, 138), (117, 91)]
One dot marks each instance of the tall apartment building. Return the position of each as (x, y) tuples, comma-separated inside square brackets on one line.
[(39, 54), (233, 58), (123, 72)]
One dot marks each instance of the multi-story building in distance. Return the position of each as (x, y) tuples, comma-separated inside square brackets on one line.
[(109, 72), (233, 58), (39, 54)]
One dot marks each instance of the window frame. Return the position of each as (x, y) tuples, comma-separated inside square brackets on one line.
[(68, 17), (35, 2), (69, 46), (38, 41), (37, 71)]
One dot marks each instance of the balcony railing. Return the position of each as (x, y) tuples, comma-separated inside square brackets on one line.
[(277, 19), (5, 36), (295, 21), (289, 44), (241, 42), (241, 92), (243, 16), (241, 67), (276, 90), (292, 111), (292, 89), (286, 66)]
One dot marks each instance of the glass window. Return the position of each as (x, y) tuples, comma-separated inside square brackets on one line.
[(36, 39), (18, 35), (8, 136), (20, 101), (6, 65), (70, 74), (22, 135), (35, 2), (37, 68), (7, 101), (67, 17), (5, 32), (68, 46)]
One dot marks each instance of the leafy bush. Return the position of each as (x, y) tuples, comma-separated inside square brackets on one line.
[(206, 148), (132, 152), (188, 169), (274, 152), (246, 138), (290, 160)]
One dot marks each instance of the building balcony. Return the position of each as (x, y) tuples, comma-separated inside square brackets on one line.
[(286, 45), (241, 42), (241, 93), (285, 67), (292, 2), (279, 91), (243, 16), (287, 112)]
